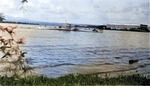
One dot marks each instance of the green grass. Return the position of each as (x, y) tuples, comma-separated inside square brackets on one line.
[(74, 80)]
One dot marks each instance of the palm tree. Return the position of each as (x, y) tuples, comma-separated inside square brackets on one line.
[(1, 17)]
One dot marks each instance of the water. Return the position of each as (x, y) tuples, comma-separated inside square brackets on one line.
[(56, 53)]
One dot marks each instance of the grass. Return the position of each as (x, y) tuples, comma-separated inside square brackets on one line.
[(75, 80)]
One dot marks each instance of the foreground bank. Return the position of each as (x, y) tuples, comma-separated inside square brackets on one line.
[(75, 80)]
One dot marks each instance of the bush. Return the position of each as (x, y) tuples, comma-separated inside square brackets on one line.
[(12, 58)]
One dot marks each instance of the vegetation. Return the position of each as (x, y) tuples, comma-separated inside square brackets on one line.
[(19, 22), (12, 57), (23, 1), (1, 17), (75, 80)]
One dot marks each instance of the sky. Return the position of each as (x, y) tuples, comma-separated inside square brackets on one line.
[(78, 11)]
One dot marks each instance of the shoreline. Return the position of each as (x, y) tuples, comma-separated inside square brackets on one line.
[(54, 28)]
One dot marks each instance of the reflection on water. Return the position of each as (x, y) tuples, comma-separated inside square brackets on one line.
[(56, 53)]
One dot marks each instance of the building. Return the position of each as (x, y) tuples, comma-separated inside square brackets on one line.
[(120, 27), (144, 28)]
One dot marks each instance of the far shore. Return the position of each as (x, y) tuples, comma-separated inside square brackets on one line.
[(7, 24)]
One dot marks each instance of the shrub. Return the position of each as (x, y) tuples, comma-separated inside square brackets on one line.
[(12, 57)]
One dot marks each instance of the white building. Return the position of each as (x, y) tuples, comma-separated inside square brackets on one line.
[(125, 26)]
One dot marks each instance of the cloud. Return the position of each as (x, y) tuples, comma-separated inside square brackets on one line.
[(123, 12), (80, 11)]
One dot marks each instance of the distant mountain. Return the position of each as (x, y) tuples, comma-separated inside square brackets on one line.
[(14, 19)]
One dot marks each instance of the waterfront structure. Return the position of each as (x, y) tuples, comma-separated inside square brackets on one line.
[(129, 27), (118, 27), (66, 26)]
